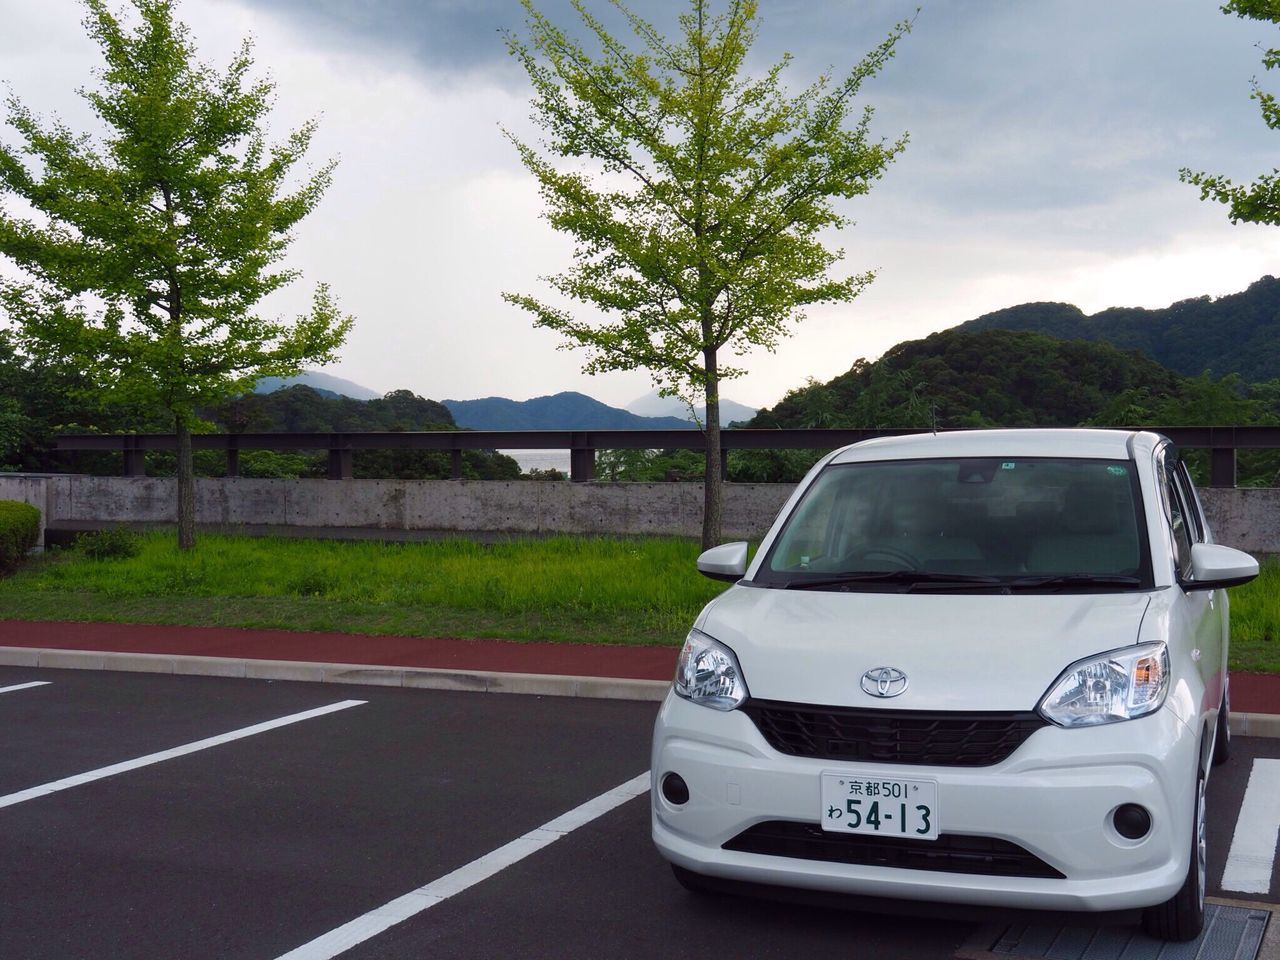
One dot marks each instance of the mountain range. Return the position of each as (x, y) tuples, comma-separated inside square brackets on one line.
[(567, 410), (1237, 333), (561, 411)]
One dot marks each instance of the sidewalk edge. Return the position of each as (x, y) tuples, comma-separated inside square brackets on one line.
[(426, 678)]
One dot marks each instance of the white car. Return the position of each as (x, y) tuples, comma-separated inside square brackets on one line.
[(983, 667)]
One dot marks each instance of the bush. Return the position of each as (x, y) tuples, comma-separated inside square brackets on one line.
[(117, 543), (19, 532)]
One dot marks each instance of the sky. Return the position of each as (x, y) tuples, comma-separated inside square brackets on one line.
[(1045, 142)]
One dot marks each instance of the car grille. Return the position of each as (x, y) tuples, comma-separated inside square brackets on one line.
[(944, 739), (950, 853)]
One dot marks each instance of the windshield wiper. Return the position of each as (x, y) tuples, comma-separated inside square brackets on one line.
[(907, 578), (1104, 581)]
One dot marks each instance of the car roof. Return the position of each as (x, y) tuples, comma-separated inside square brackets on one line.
[(1094, 444)]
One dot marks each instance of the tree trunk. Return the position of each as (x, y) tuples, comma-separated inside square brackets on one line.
[(186, 487), (712, 486)]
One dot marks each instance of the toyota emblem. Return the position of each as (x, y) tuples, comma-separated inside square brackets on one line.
[(884, 682)]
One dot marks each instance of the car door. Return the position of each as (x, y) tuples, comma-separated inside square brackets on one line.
[(1217, 637), (1201, 615)]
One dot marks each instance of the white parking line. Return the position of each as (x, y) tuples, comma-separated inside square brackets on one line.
[(1253, 848), (25, 686), (102, 772), (343, 938)]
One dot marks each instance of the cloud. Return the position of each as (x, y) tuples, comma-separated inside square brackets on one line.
[(1045, 143)]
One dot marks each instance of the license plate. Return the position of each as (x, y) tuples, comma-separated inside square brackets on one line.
[(879, 806)]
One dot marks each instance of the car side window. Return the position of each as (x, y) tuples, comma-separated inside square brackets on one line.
[(1176, 515), (1195, 518)]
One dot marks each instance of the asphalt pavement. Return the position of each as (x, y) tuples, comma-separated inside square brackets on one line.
[(146, 816)]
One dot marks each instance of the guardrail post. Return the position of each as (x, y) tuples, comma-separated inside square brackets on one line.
[(1222, 467), (340, 458), (455, 471), (135, 458), (233, 456), (582, 459)]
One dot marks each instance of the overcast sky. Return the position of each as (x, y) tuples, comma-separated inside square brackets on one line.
[(1046, 138)]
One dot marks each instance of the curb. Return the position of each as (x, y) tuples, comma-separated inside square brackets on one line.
[(1255, 725), (423, 678)]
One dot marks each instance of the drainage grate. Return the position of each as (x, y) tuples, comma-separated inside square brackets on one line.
[(1230, 933)]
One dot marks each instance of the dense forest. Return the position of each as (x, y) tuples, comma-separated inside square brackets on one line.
[(1003, 378), (1238, 333)]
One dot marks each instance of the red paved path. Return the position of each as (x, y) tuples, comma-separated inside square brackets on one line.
[(585, 660), (1250, 692)]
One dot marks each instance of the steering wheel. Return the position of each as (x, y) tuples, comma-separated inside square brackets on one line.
[(906, 560)]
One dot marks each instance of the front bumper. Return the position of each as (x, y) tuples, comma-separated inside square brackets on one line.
[(1053, 796)]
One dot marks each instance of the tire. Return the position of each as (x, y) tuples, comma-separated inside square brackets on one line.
[(1222, 739), (1181, 917)]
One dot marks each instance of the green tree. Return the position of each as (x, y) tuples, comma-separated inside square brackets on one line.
[(150, 252), (696, 196), (1258, 202), (13, 427)]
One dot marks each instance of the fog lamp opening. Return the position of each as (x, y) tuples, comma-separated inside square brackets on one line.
[(1133, 822), (675, 790)]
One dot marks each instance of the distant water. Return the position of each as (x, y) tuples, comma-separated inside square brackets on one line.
[(540, 459)]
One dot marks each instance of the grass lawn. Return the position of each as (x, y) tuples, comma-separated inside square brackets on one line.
[(626, 591), (1255, 621), (564, 588)]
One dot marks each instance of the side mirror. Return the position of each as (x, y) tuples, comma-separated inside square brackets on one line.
[(729, 562), (1214, 566)]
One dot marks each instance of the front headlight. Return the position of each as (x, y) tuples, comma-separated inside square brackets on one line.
[(1120, 685), (708, 674)]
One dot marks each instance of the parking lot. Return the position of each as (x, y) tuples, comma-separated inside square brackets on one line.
[(158, 816)]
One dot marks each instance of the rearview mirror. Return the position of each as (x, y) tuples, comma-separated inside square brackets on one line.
[(1214, 566), (728, 561)]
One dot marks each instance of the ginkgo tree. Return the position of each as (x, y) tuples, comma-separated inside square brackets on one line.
[(145, 253), (1257, 202), (700, 198)]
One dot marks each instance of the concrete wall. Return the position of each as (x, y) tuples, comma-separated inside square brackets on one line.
[(1248, 519), (449, 505)]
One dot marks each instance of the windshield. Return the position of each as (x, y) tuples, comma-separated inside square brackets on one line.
[(965, 524)]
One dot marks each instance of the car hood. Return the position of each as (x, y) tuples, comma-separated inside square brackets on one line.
[(959, 651)]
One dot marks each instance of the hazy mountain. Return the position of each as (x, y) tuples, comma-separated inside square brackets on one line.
[(1237, 333), (326, 384), (562, 411), (652, 405)]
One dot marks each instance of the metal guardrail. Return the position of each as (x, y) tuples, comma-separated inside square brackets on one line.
[(1222, 443)]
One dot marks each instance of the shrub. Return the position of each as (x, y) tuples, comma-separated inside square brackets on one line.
[(550, 473), (116, 543), (19, 532)]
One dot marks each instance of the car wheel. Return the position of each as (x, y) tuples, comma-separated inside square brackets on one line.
[(1222, 739), (1181, 917)]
